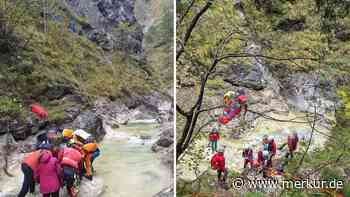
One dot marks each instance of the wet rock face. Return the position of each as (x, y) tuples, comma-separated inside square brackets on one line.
[(103, 18), (165, 139), (91, 123), (303, 90), (117, 10), (246, 76)]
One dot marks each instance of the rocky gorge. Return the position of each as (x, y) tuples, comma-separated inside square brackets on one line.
[(255, 48), (93, 65)]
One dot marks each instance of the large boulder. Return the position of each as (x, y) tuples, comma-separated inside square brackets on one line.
[(249, 76), (90, 122), (164, 145), (303, 90)]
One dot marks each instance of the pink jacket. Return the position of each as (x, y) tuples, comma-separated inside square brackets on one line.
[(49, 173)]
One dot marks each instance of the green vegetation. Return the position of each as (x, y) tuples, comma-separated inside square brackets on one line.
[(215, 83), (10, 106), (291, 36), (33, 61), (159, 45)]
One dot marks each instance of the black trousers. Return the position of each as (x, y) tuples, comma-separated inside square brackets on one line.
[(28, 182), (55, 194), (223, 174)]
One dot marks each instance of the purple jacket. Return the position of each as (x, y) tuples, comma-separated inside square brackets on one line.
[(49, 173)]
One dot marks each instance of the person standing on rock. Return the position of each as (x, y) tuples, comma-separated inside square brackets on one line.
[(263, 161), (272, 149), (46, 138), (71, 161), (29, 168), (214, 136), (292, 142), (218, 163), (91, 152), (49, 175), (247, 154)]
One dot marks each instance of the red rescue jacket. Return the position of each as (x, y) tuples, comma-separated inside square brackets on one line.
[(40, 112), (272, 147), (218, 162), (214, 136), (261, 159), (71, 157), (292, 143)]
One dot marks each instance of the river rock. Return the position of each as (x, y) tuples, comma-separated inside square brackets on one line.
[(249, 76), (300, 92), (90, 122), (92, 188), (166, 192), (166, 137)]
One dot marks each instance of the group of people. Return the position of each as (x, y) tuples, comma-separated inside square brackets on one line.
[(264, 157), (268, 151), (59, 159), (234, 104)]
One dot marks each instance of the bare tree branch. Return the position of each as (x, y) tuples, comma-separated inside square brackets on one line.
[(192, 26)]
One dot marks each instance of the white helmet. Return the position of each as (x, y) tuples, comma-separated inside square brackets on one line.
[(81, 133)]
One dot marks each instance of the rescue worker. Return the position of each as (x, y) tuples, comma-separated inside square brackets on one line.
[(272, 148), (265, 142), (79, 136), (89, 149), (214, 136), (70, 159), (67, 135), (263, 156), (29, 168), (49, 175), (47, 137), (247, 154), (218, 163), (263, 161), (292, 142), (234, 106)]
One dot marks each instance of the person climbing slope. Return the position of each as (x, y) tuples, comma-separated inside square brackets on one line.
[(29, 168), (70, 159), (247, 154), (292, 142), (234, 105), (214, 136), (218, 163), (49, 175)]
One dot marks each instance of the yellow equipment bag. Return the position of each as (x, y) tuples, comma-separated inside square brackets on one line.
[(90, 147), (67, 133)]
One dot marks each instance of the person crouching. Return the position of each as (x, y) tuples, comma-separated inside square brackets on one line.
[(29, 168)]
